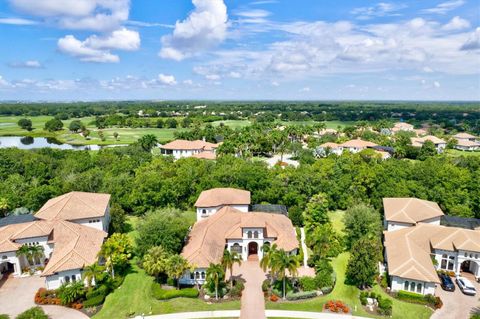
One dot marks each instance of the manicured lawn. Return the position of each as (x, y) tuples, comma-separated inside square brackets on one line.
[(234, 124), (336, 217), (329, 124), (134, 298), (456, 153)]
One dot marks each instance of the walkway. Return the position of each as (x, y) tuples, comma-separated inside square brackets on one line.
[(236, 313), (253, 301), (304, 247)]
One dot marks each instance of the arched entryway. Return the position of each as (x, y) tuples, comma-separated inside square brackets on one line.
[(6, 268), (470, 266), (252, 248)]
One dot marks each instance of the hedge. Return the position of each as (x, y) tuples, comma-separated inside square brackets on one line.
[(3, 316), (101, 290), (412, 297), (33, 313), (94, 301), (307, 283), (301, 295), (162, 294)]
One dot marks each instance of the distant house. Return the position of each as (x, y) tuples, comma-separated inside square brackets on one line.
[(438, 142), (357, 145), (184, 148), (466, 142), (329, 148), (212, 200), (416, 246), (242, 232), (70, 228), (402, 127)]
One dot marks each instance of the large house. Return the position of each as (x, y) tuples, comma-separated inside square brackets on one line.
[(212, 200), (402, 127), (416, 246), (438, 142), (352, 146), (183, 148), (70, 228), (237, 230), (466, 142)]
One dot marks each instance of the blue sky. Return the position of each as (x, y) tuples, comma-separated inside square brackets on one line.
[(239, 49)]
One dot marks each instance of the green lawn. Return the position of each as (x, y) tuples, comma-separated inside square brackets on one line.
[(134, 297), (457, 153), (329, 124), (336, 217), (349, 295)]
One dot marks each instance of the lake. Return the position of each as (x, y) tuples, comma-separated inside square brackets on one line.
[(27, 142)]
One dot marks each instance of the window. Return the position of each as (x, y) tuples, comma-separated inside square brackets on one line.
[(255, 234), (419, 288), (67, 279), (405, 286), (249, 234), (448, 262), (74, 278), (204, 212), (412, 286), (451, 262), (236, 248), (192, 275), (203, 275), (466, 255), (197, 275)]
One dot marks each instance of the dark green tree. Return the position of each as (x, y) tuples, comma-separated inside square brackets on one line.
[(75, 126), (363, 263), (316, 212), (427, 150), (53, 125), (25, 124), (361, 221)]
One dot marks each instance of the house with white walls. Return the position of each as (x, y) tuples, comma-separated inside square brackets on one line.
[(212, 200), (184, 148)]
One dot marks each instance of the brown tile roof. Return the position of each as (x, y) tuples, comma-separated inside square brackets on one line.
[(464, 136), (467, 143), (419, 141), (207, 239), (358, 143), (189, 145), (205, 155), (74, 205), (409, 249), (330, 144), (223, 196), (410, 210)]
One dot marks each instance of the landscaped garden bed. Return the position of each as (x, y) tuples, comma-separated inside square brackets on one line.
[(376, 304), (336, 306)]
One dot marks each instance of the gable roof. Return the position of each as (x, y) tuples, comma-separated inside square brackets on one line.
[(223, 196), (207, 239), (419, 141), (358, 143), (467, 143), (205, 155), (74, 205), (410, 210), (189, 145), (330, 144), (464, 135), (408, 249)]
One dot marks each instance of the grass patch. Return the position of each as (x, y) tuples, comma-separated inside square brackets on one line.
[(458, 153), (336, 217)]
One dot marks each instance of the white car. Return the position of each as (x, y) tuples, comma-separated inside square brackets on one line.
[(466, 286)]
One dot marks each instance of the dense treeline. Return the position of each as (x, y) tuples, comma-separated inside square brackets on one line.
[(446, 114), (141, 183)]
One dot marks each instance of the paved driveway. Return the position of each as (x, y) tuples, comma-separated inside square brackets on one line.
[(456, 304), (17, 294), (253, 302)]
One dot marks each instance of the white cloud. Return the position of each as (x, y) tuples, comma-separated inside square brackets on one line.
[(436, 84), (97, 48), (381, 9), (166, 79), (205, 27), (188, 82), (212, 77), (100, 15), (3, 82), (473, 42), (427, 69), (235, 75), (275, 83), (256, 13), (305, 89), (17, 21), (29, 64), (445, 7), (456, 23)]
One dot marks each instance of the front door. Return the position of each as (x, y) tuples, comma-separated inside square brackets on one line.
[(252, 248)]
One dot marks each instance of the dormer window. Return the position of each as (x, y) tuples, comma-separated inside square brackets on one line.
[(249, 234), (204, 212), (255, 234)]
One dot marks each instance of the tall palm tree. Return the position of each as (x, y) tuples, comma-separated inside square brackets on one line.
[(36, 253), (154, 262), (147, 142), (228, 260), (281, 262), (176, 267), (92, 273), (24, 250), (215, 273)]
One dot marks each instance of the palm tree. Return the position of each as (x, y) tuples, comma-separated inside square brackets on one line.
[(147, 142), (36, 253), (24, 250), (228, 260), (176, 267), (268, 251), (319, 127), (92, 273), (281, 262), (215, 273), (154, 262)]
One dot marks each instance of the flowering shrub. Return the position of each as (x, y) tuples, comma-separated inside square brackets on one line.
[(46, 297), (336, 306), (274, 298)]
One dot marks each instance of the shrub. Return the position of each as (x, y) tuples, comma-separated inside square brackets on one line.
[(101, 290), (384, 281), (336, 306), (237, 289), (274, 298), (94, 301), (2, 316), (301, 295), (265, 285), (33, 313), (162, 294), (308, 283), (411, 297), (385, 306)]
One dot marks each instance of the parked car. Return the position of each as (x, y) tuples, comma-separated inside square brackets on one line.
[(466, 286), (447, 282)]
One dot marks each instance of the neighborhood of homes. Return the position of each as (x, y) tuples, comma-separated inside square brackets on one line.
[(71, 229)]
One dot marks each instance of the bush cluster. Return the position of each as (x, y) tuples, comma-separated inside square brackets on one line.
[(336, 306), (385, 305), (33, 313), (431, 300), (161, 294), (237, 289), (46, 297), (301, 295)]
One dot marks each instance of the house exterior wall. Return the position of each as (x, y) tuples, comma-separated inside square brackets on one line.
[(467, 148), (432, 221), (204, 212), (100, 223), (421, 287), (195, 277), (40, 241), (11, 257), (56, 280), (390, 225)]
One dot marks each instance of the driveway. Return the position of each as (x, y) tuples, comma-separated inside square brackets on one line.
[(456, 304), (17, 294), (253, 301)]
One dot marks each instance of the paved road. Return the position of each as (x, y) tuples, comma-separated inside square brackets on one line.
[(456, 304), (236, 313), (17, 294)]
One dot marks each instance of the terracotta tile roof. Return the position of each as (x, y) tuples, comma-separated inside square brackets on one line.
[(223, 196), (189, 145), (358, 143), (464, 136), (207, 239), (410, 210), (409, 249), (399, 126), (467, 143), (419, 141), (205, 155), (74, 205), (330, 144)]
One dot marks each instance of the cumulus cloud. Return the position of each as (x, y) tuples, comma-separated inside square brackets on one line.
[(473, 42), (205, 27), (29, 64), (99, 15), (74, 47), (445, 7), (17, 21), (166, 79), (456, 23)]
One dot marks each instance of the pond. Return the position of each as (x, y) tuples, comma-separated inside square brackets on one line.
[(27, 142)]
